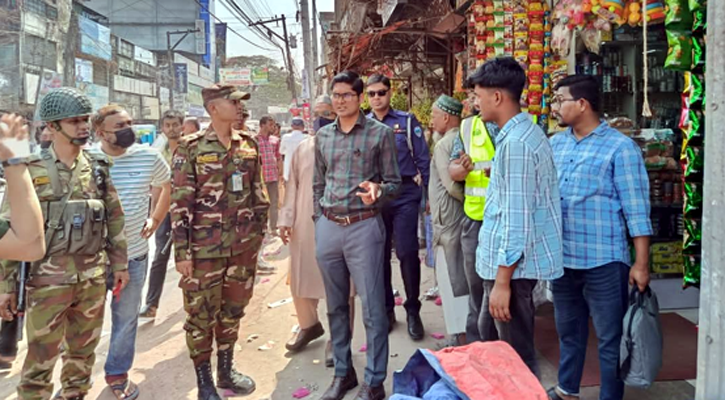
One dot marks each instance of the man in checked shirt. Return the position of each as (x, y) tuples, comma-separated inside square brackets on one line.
[(604, 196), (356, 169)]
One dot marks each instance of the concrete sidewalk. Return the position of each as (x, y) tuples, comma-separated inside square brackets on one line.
[(163, 371)]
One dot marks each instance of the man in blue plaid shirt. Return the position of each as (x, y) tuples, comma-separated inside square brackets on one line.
[(520, 240), (604, 197)]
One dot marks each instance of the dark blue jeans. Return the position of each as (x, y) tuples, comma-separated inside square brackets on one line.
[(602, 294)]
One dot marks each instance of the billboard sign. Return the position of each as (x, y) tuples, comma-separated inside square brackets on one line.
[(236, 76)]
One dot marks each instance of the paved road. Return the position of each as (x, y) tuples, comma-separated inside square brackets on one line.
[(163, 370)]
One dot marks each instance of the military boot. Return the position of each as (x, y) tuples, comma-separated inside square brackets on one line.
[(229, 378), (205, 382)]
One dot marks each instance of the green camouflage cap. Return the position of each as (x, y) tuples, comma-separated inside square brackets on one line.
[(62, 103)]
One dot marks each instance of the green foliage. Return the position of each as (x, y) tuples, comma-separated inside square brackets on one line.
[(275, 93), (460, 96), (399, 101), (422, 111)]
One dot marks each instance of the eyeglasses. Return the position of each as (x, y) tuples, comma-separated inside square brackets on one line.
[(344, 96), (379, 93), (558, 101)]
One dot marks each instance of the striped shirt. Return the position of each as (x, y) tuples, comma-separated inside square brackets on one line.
[(522, 218), (133, 173), (604, 195)]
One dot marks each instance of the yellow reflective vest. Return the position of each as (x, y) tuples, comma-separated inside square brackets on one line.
[(479, 146)]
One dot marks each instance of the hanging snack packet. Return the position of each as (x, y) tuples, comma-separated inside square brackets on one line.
[(696, 133), (679, 53), (693, 199), (698, 54), (695, 161), (696, 5), (692, 271), (678, 15), (699, 21)]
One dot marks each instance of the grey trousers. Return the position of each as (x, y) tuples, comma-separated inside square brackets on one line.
[(273, 191), (469, 243), (355, 251), (519, 332)]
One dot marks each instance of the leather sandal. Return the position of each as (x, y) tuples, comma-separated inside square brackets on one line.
[(124, 390)]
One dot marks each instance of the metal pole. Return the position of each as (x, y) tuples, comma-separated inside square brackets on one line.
[(170, 56), (315, 43), (307, 45), (711, 337), (293, 87)]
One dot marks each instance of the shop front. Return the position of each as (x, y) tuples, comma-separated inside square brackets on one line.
[(649, 58)]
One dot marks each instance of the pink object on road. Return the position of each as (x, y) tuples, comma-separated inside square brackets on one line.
[(439, 301), (398, 301), (265, 280), (437, 335), (301, 393), (364, 348)]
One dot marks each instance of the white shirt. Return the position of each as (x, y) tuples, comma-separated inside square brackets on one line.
[(288, 146), (133, 173)]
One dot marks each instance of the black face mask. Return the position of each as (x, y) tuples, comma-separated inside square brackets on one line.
[(321, 122), (45, 144), (125, 138)]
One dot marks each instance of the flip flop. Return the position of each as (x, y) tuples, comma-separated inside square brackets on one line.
[(124, 390)]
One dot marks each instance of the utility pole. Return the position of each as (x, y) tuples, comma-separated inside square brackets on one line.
[(170, 54), (305, 17), (285, 39), (315, 43), (711, 332)]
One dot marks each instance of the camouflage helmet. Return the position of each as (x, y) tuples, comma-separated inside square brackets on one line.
[(62, 103)]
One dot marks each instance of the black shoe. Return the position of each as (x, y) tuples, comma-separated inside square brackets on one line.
[(304, 337), (370, 393), (415, 327), (340, 386), (391, 321), (229, 378), (205, 382)]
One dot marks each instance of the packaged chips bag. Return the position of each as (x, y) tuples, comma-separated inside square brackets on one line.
[(693, 200), (678, 15), (693, 269), (679, 52)]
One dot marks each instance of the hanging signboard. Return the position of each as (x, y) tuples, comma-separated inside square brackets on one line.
[(236, 76), (181, 78), (84, 70), (95, 39), (260, 75)]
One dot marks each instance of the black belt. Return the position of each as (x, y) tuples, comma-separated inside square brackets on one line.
[(408, 179)]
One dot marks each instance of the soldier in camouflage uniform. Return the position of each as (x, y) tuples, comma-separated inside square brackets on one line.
[(219, 214), (84, 233)]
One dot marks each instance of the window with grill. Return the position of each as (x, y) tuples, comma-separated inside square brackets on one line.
[(125, 49), (40, 7), (37, 51)]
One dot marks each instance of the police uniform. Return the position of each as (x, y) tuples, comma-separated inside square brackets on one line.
[(219, 216), (67, 289), (401, 214)]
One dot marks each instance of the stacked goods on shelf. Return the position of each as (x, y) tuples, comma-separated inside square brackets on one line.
[(686, 26)]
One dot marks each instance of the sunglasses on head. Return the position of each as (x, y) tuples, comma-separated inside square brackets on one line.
[(379, 93)]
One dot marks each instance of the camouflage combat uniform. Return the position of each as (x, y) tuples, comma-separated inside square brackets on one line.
[(219, 214), (66, 293)]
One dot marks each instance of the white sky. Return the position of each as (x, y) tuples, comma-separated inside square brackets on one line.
[(238, 47)]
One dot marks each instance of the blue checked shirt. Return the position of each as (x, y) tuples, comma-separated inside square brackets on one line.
[(604, 194), (522, 218)]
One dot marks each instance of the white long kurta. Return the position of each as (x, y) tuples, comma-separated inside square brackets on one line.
[(305, 277)]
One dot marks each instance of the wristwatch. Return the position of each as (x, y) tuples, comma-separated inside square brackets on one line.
[(15, 161)]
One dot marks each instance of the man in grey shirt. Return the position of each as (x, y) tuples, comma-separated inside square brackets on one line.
[(446, 205)]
